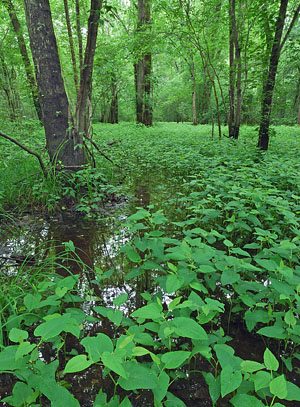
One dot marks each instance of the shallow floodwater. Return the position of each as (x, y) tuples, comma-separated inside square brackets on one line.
[(34, 240)]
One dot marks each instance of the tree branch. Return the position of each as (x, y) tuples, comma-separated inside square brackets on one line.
[(295, 17), (28, 151), (98, 149)]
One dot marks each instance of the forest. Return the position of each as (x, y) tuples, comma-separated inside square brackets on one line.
[(149, 203)]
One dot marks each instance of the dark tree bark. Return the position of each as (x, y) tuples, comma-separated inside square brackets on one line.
[(84, 96), (71, 44), (79, 36), (235, 75), (114, 105), (61, 140), (268, 90), (194, 93), (26, 61), (9, 90), (143, 69)]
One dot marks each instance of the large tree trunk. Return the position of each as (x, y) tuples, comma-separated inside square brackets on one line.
[(263, 140), (143, 69), (61, 141), (26, 61)]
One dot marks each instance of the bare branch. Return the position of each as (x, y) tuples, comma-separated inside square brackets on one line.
[(28, 151)]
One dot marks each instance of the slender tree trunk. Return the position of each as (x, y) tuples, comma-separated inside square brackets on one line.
[(26, 61), (86, 73), (71, 44), (263, 139), (139, 90), (7, 87), (114, 106), (61, 141), (231, 74), (79, 35), (148, 111), (235, 74), (194, 94), (143, 68)]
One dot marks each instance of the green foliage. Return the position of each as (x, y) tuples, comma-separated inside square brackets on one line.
[(221, 248)]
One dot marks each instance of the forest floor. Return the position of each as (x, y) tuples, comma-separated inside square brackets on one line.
[(167, 276)]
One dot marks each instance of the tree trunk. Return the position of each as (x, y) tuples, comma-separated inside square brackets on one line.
[(143, 68), (114, 106), (79, 36), (71, 44), (26, 61), (139, 89), (61, 141), (263, 140), (85, 89), (231, 74), (7, 85), (194, 94), (235, 75)]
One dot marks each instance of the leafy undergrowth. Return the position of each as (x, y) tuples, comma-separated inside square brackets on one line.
[(218, 259)]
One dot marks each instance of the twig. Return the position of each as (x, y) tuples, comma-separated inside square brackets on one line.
[(28, 151), (98, 149)]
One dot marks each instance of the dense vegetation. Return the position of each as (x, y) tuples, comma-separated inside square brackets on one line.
[(214, 262), (149, 203)]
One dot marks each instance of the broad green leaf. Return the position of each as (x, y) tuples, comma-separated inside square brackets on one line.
[(173, 283), (61, 291), (278, 387), (174, 303), (229, 277), (138, 377), (113, 363), (272, 332), (77, 364), (213, 385), (132, 255), (115, 315), (55, 326), (32, 301), (293, 392), (8, 360), (188, 328), (24, 349), (17, 335), (140, 351), (251, 366), (261, 380), (173, 401), (149, 311), (139, 215), (120, 299), (228, 243), (172, 360), (230, 380), (125, 402), (162, 387), (22, 394), (245, 400), (270, 361), (95, 346), (290, 318), (225, 355)]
